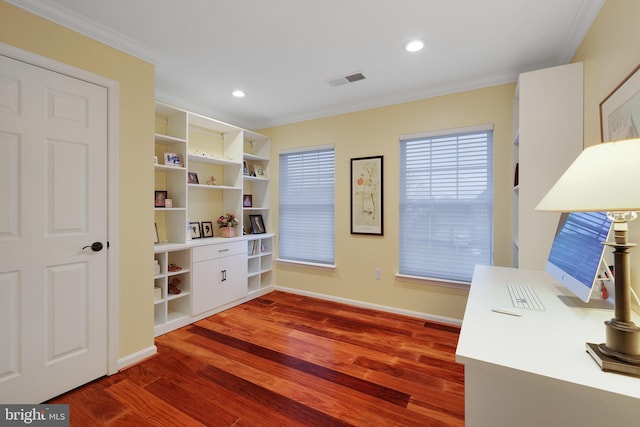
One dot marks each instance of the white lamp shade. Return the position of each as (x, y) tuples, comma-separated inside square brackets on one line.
[(604, 178)]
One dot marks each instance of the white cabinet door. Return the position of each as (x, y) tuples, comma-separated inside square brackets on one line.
[(217, 282)]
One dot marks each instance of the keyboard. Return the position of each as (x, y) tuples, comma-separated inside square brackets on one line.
[(523, 296)]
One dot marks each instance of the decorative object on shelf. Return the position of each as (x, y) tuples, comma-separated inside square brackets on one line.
[(257, 225), (173, 286), (245, 168), (604, 178), (173, 159), (367, 195), (157, 293), (174, 267), (247, 201), (226, 223), (212, 180), (620, 111), (227, 232), (195, 230), (192, 178), (259, 171), (207, 229), (160, 198), (156, 267), (168, 203), (155, 160), (155, 226)]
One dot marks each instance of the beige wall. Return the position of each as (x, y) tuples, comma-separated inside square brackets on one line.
[(376, 132), (610, 51), (136, 78)]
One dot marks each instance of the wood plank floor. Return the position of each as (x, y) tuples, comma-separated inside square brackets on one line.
[(286, 360)]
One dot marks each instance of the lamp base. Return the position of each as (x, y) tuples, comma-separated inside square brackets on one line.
[(609, 364)]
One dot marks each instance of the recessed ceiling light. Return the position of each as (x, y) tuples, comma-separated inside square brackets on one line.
[(414, 45), (237, 93)]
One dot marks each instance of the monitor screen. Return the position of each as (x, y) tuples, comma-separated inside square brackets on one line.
[(577, 251)]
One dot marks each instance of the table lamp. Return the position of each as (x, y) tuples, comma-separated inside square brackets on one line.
[(606, 178)]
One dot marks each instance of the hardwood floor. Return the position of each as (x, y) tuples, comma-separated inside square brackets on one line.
[(286, 360)]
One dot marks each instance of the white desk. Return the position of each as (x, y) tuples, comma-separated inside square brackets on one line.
[(534, 370)]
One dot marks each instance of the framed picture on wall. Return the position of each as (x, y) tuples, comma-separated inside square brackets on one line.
[(620, 111), (366, 195)]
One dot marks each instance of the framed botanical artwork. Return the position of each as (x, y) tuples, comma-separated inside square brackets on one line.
[(367, 196), (247, 201), (257, 225), (195, 230), (160, 199), (192, 178), (207, 229), (620, 111)]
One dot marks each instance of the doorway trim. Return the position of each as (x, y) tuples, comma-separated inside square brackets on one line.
[(113, 191)]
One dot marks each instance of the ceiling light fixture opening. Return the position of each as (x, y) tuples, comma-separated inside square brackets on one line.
[(238, 93), (414, 45)]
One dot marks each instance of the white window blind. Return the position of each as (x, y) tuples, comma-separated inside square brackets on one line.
[(446, 204), (307, 181)]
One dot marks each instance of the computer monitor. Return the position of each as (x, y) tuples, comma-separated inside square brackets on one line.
[(577, 251)]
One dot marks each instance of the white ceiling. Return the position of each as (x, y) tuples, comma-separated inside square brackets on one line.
[(283, 53)]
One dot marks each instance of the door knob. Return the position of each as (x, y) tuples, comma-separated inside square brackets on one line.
[(95, 247)]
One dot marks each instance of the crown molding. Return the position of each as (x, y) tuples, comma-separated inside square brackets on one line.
[(68, 18)]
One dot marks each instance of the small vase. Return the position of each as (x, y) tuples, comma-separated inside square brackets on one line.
[(227, 232)]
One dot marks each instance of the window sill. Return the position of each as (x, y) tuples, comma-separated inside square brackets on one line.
[(434, 282), (307, 264)]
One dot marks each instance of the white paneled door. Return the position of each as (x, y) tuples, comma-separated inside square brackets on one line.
[(53, 208)]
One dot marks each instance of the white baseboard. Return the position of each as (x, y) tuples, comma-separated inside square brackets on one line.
[(356, 303), (137, 357)]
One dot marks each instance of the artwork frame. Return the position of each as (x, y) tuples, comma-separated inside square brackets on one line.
[(247, 201), (259, 171), (245, 168), (157, 238), (160, 198), (195, 230), (207, 228), (173, 160), (620, 110), (367, 195), (257, 224), (192, 178)]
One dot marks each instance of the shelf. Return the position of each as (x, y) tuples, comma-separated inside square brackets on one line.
[(254, 178), (161, 138), (212, 160), (168, 168), (213, 187), (254, 158)]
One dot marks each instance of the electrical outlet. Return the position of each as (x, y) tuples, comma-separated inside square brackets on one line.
[(378, 273)]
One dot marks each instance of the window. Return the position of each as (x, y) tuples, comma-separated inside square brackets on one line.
[(446, 203), (307, 206)]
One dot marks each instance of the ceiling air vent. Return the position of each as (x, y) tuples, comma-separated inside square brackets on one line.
[(352, 78)]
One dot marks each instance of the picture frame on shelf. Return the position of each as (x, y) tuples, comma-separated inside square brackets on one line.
[(160, 198), (245, 168), (195, 230), (247, 201), (207, 229), (192, 178), (367, 195), (257, 224), (259, 171), (620, 110), (173, 159), (157, 239)]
